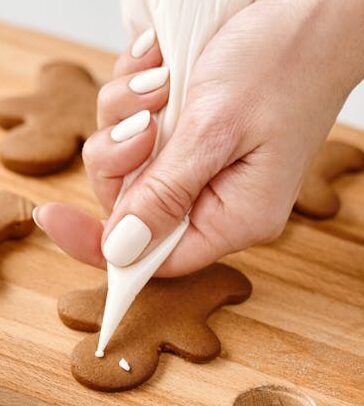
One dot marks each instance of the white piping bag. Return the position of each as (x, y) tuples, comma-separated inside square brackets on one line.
[(183, 29)]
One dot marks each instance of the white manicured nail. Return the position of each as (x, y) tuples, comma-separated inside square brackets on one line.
[(127, 241), (131, 126), (143, 44), (149, 80)]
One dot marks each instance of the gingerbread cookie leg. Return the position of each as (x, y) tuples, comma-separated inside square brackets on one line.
[(169, 315), (194, 343), (317, 197)]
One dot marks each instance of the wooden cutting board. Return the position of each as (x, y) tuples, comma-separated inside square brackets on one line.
[(302, 329)]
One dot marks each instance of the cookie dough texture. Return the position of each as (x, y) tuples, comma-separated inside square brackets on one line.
[(16, 216), (47, 128), (169, 315)]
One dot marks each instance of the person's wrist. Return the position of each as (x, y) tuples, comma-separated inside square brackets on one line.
[(346, 23), (332, 32)]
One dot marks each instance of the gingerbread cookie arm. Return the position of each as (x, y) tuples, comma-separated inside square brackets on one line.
[(82, 309), (317, 197), (42, 152), (16, 216), (52, 123), (222, 285), (337, 159), (14, 111)]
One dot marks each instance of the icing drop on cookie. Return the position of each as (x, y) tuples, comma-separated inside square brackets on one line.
[(99, 354), (124, 364)]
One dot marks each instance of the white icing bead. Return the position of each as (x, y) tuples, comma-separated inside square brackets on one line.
[(124, 364), (99, 353)]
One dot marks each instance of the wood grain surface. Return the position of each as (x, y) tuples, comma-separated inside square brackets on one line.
[(302, 329)]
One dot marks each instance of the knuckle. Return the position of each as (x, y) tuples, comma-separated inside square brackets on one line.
[(167, 196)]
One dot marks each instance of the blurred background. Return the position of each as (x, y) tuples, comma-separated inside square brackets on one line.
[(98, 23)]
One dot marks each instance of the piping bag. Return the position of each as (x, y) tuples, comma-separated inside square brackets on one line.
[(183, 28)]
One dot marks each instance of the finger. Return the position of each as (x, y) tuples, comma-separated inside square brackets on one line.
[(158, 200), (76, 233), (112, 153), (127, 95), (143, 54)]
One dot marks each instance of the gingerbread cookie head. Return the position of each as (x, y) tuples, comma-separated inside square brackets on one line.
[(48, 127), (317, 197), (169, 315), (16, 216)]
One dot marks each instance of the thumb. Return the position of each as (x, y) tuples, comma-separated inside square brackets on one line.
[(161, 196)]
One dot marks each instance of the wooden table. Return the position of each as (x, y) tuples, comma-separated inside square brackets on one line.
[(302, 328)]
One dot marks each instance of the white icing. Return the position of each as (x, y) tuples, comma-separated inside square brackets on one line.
[(99, 353), (183, 28), (124, 364)]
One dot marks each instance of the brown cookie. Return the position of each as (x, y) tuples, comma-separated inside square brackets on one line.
[(270, 395), (16, 216), (169, 315), (48, 127), (317, 197)]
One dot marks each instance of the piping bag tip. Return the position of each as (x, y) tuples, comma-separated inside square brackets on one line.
[(124, 283)]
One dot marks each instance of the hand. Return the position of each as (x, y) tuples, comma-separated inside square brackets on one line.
[(263, 96)]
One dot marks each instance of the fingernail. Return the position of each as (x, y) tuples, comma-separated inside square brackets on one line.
[(143, 44), (149, 80), (35, 217), (131, 126), (127, 241)]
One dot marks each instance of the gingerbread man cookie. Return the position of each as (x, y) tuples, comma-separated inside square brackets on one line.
[(317, 197), (169, 315), (48, 127), (16, 216)]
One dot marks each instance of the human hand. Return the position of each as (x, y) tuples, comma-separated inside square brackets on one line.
[(263, 96)]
